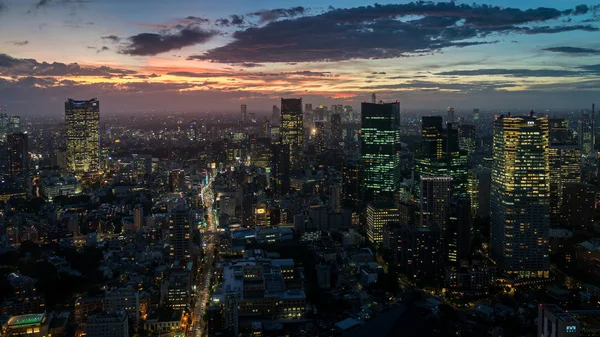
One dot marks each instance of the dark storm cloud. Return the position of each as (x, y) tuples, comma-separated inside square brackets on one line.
[(250, 65), (196, 19), (573, 50), (556, 29), (19, 43), (435, 86), (234, 20), (274, 14), (10, 66), (513, 72), (148, 44), (302, 73), (112, 38), (378, 32)]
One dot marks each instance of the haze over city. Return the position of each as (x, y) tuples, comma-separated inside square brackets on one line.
[(200, 56)]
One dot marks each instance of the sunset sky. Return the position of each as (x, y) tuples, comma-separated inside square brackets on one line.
[(200, 55)]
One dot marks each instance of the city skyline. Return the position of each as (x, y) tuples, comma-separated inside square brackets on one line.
[(194, 57)]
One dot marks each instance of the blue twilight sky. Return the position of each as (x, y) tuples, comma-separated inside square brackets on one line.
[(197, 56)]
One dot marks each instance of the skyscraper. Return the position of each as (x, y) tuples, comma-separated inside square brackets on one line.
[(435, 196), (520, 213), (457, 236), (276, 116), (578, 206), (440, 155), (81, 119), (467, 138), (18, 154), (292, 130), (380, 215), (380, 150), (319, 137), (336, 130), (280, 169), (451, 118), (475, 115), (586, 133), (559, 132), (244, 114), (180, 234), (565, 167)]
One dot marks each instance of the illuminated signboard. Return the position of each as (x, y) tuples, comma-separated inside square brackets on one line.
[(571, 328), (260, 211)]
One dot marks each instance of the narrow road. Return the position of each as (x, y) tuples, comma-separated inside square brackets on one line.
[(206, 266)]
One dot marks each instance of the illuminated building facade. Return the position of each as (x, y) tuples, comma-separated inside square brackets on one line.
[(18, 154), (380, 215), (467, 138), (435, 195), (586, 134), (81, 120), (380, 150), (440, 155), (565, 167), (520, 196), (180, 233), (261, 152), (559, 132), (291, 130)]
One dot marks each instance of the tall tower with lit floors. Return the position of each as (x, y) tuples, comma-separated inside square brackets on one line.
[(520, 196)]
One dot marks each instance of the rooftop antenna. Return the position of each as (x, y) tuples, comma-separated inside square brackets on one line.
[(374, 98)]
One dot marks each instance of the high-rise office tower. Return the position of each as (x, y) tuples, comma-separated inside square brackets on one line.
[(18, 154), (320, 113), (435, 196), (520, 205), (457, 236), (559, 132), (337, 108), (451, 118), (319, 137), (586, 133), (180, 234), (14, 124), (243, 112), (475, 115), (440, 155), (380, 150), (3, 126), (81, 119), (138, 217), (578, 206), (276, 116), (553, 321), (420, 251), (336, 130), (280, 169), (308, 107), (350, 184), (467, 138), (565, 167), (192, 131), (380, 215), (292, 130)]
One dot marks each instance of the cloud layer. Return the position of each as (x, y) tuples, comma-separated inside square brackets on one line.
[(383, 31)]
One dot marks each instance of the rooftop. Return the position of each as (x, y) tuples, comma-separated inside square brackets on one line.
[(31, 319)]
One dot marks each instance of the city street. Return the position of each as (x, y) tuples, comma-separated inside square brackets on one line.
[(205, 266)]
